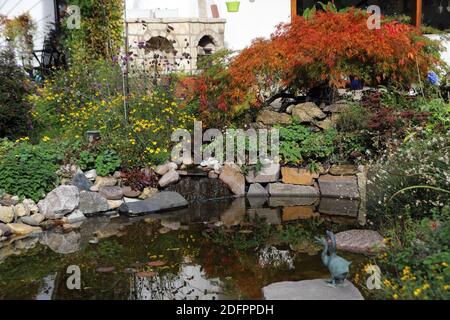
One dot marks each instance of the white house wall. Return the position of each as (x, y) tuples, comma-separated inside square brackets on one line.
[(41, 11), (254, 19)]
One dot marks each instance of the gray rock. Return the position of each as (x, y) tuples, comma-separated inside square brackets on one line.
[(292, 201), (60, 201), (92, 202), (63, 243), (257, 190), (269, 173), (129, 192), (5, 231), (6, 214), (234, 179), (343, 170), (91, 174), (32, 206), (166, 200), (339, 187), (76, 216), (111, 193), (81, 182), (360, 241), (22, 229), (311, 290), (30, 221), (291, 190), (169, 178), (114, 204)]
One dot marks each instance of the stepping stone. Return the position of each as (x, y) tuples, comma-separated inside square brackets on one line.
[(311, 290), (360, 241)]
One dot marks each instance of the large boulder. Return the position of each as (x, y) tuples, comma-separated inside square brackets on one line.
[(164, 168), (311, 290), (298, 176), (81, 182), (339, 186), (6, 214), (92, 202), (360, 241), (234, 179), (307, 112), (163, 201), (169, 178), (59, 202), (291, 190), (269, 173), (268, 117)]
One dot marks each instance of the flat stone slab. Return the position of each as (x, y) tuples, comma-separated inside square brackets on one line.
[(270, 173), (360, 241), (162, 201), (257, 190), (291, 190), (345, 187), (311, 290)]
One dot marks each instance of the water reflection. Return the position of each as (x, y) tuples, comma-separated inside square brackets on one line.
[(193, 266)]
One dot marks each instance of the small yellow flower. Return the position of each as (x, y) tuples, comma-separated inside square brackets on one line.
[(395, 296), (45, 139), (444, 264), (417, 292)]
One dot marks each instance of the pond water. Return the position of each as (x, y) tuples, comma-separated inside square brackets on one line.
[(222, 249)]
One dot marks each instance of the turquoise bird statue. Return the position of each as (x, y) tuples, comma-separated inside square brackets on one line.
[(338, 266)]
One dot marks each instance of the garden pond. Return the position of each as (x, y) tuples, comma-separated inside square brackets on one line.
[(221, 249)]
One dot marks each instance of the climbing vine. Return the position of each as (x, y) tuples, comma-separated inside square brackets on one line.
[(100, 33)]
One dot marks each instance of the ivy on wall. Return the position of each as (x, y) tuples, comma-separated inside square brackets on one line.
[(100, 33), (19, 34)]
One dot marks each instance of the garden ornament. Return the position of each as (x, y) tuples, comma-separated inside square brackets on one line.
[(338, 266)]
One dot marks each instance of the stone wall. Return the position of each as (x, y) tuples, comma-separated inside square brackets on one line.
[(185, 35)]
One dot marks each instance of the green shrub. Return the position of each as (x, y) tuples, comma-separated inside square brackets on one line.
[(416, 264), (107, 162), (299, 144), (15, 116), (353, 117), (30, 170)]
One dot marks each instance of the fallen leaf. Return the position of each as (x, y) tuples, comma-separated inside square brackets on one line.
[(145, 274), (156, 263)]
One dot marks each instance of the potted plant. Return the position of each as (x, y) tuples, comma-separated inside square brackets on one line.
[(233, 6)]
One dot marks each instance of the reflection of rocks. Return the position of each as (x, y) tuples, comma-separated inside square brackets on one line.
[(257, 202), (310, 290), (200, 189), (63, 243), (299, 213), (360, 241), (269, 215), (339, 187), (341, 207), (110, 230), (292, 201), (273, 257), (235, 214)]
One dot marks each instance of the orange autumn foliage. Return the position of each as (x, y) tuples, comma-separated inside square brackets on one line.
[(326, 48)]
